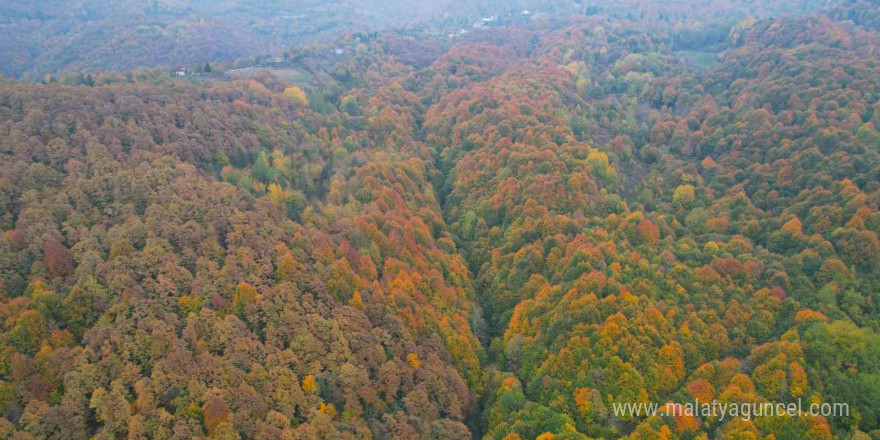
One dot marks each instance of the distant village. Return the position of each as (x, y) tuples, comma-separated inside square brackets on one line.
[(491, 21)]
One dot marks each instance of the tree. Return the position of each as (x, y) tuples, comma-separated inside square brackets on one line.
[(112, 409), (263, 169), (216, 413), (28, 332), (225, 431), (276, 194), (82, 306), (244, 295), (57, 259), (309, 385), (683, 197), (648, 232), (286, 269), (297, 95)]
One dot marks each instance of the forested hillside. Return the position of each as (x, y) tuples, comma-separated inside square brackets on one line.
[(497, 236), (83, 36)]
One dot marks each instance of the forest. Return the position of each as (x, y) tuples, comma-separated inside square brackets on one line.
[(497, 236), (84, 36)]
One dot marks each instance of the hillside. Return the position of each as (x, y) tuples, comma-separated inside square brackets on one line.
[(85, 36), (500, 236)]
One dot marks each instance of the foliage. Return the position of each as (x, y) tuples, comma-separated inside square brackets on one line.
[(502, 236)]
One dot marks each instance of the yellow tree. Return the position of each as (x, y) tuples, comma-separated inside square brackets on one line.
[(286, 269), (297, 95)]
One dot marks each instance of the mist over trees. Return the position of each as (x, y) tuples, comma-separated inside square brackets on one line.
[(84, 36)]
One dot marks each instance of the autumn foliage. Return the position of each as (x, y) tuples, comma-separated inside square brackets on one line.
[(504, 237)]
